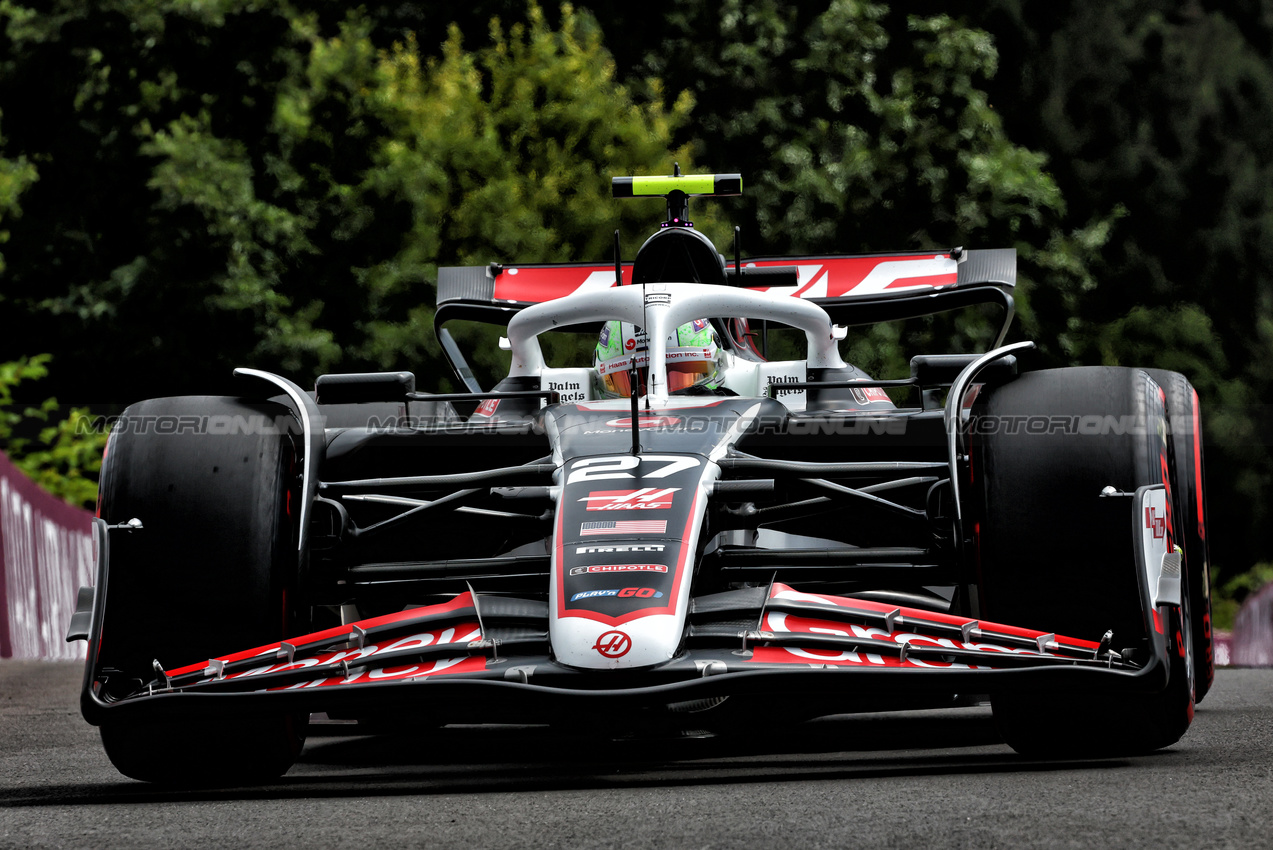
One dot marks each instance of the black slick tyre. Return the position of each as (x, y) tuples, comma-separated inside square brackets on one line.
[(209, 573), (1056, 556), (1189, 493)]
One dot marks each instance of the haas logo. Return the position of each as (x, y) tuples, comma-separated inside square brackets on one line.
[(1157, 524), (647, 498), (613, 644)]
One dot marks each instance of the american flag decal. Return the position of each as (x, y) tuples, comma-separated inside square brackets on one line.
[(658, 526)]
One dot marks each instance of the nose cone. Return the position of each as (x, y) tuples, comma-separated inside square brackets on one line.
[(592, 645), (627, 527)]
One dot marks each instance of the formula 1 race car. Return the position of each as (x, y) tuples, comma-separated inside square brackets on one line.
[(782, 539)]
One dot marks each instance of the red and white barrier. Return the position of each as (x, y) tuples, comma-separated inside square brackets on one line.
[(1253, 631), (1222, 645), (48, 551)]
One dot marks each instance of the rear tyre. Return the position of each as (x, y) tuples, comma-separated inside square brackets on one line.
[(1188, 488), (208, 574), (1055, 556)]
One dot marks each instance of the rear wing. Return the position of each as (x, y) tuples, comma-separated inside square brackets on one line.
[(842, 285), (854, 289)]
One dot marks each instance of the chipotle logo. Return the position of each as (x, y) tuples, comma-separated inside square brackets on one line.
[(619, 568)]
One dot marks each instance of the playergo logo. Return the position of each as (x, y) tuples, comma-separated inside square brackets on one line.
[(647, 498), (638, 592), (619, 568)]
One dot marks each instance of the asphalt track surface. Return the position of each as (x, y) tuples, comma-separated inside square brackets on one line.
[(912, 779)]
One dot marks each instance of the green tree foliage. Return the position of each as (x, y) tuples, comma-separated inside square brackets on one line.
[(506, 154), (850, 118), (227, 184), (62, 455), (104, 266), (864, 127), (15, 176), (1164, 112)]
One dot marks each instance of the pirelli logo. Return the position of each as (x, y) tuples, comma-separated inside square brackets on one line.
[(622, 547)]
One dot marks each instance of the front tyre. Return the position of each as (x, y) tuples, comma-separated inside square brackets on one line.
[(213, 570), (1055, 556)]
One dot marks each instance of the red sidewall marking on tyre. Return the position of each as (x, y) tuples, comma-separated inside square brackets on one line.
[(1197, 462)]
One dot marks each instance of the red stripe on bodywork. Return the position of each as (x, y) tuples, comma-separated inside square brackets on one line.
[(608, 407), (336, 633), (862, 654), (561, 559), (533, 285), (441, 667), (782, 655), (934, 617), (928, 280), (1197, 462), (841, 275)]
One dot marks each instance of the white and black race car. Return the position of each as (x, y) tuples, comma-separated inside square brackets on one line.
[(681, 532)]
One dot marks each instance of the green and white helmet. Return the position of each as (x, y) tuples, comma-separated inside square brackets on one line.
[(693, 357)]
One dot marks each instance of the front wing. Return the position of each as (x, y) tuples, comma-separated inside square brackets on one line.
[(478, 650)]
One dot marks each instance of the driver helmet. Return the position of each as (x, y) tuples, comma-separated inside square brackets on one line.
[(693, 357)]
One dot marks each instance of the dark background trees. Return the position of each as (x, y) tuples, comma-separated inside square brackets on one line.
[(185, 189), (1163, 111)]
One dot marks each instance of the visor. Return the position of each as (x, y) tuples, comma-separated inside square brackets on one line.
[(680, 376)]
